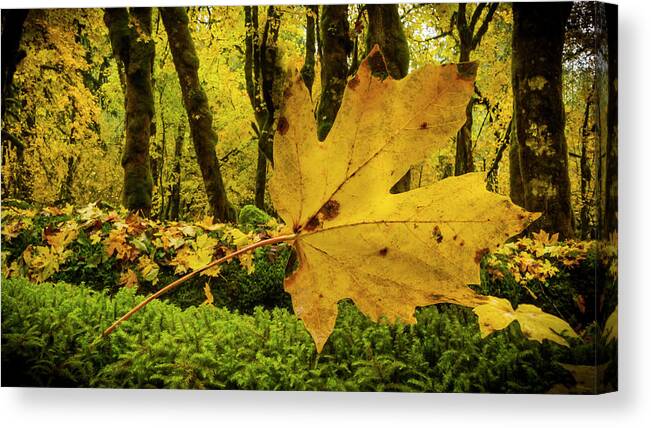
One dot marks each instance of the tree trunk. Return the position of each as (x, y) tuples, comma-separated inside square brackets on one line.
[(12, 32), (204, 138), (538, 35), (493, 172), (609, 208), (260, 180), (585, 173), (336, 45), (385, 30), (307, 71), (174, 204), (133, 45)]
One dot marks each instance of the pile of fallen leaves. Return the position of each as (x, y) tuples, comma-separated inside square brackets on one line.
[(137, 246)]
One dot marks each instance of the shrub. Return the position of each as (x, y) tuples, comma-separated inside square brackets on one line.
[(570, 279), (49, 334), (109, 250)]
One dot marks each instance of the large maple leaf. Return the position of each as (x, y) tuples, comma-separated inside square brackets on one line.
[(389, 253)]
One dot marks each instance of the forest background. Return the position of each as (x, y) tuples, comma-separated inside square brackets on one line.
[(569, 411), (66, 108)]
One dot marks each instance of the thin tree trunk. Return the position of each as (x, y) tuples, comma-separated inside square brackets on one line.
[(538, 35), (585, 173), (385, 30), (204, 138), (610, 193), (132, 43), (493, 171), (470, 35), (307, 71), (174, 204), (260, 179), (260, 72), (336, 46)]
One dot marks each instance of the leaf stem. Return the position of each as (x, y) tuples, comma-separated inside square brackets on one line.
[(176, 283)]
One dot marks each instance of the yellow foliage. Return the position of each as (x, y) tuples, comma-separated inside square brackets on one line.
[(610, 329)]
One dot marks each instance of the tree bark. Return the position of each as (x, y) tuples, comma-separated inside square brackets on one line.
[(307, 71), (538, 35), (204, 138), (469, 38), (385, 30), (609, 208), (260, 70), (336, 46), (133, 45), (12, 31)]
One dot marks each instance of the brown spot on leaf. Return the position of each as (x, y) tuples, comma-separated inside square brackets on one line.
[(354, 82), (481, 253), (288, 92), (312, 224), (423, 125), (454, 238), (436, 234), (384, 251), (283, 125), (330, 209)]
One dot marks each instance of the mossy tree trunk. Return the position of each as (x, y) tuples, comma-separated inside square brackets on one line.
[(470, 35), (336, 46), (385, 30), (538, 36), (307, 71), (260, 70), (204, 138), (607, 145), (133, 47)]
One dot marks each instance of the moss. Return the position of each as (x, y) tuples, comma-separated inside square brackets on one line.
[(252, 216), (49, 332)]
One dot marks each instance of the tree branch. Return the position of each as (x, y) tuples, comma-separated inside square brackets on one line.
[(484, 25)]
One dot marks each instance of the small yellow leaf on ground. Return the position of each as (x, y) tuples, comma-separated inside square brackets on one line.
[(537, 325), (209, 297)]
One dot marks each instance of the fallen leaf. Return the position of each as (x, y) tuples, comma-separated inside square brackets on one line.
[(148, 269), (389, 253), (129, 279), (209, 297), (537, 325), (610, 329)]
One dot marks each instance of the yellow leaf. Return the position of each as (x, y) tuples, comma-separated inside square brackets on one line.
[(610, 328), (96, 237), (389, 253), (60, 240), (148, 269), (129, 279), (90, 212), (209, 297), (537, 325), (43, 262)]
